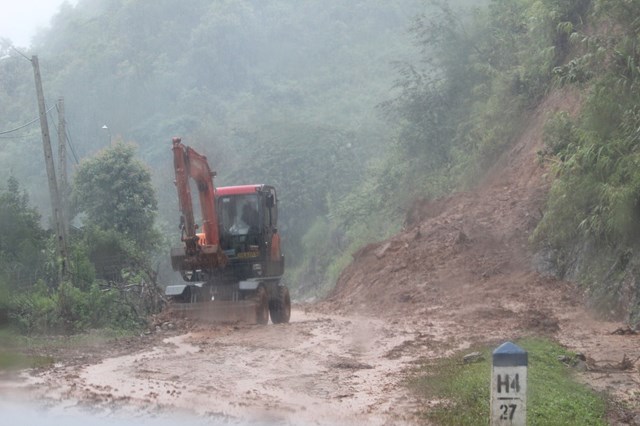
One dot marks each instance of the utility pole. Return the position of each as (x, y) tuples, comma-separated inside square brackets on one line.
[(62, 166), (51, 173)]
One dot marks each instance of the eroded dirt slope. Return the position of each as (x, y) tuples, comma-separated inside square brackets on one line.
[(469, 249)]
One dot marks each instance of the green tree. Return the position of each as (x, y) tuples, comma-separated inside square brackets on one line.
[(22, 239), (22, 246), (113, 190)]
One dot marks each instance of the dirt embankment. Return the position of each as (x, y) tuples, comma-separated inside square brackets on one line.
[(467, 253), (459, 273), (463, 265)]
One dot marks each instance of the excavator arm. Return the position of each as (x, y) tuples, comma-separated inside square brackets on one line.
[(197, 253)]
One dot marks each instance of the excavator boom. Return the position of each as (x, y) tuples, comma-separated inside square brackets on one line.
[(198, 252)]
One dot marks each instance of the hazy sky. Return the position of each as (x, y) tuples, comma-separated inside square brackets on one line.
[(19, 19)]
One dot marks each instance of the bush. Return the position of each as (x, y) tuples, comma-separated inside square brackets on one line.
[(70, 309), (35, 311)]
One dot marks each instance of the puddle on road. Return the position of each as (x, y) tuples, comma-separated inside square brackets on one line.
[(16, 413)]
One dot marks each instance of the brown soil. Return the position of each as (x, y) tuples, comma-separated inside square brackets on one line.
[(460, 273)]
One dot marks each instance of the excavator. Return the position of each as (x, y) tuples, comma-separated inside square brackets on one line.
[(232, 267)]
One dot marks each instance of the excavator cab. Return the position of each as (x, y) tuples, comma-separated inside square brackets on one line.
[(239, 224), (248, 221)]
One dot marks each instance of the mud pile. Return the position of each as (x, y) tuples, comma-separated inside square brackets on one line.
[(468, 254)]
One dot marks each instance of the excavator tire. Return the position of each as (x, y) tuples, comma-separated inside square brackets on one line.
[(262, 305), (280, 306)]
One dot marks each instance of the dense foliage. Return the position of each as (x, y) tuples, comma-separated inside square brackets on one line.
[(114, 191), (21, 236), (21, 243), (107, 281), (592, 224)]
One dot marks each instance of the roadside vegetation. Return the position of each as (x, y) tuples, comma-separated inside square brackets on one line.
[(592, 224), (107, 281), (460, 393)]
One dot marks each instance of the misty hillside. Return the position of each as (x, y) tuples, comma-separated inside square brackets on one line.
[(353, 110), (259, 87)]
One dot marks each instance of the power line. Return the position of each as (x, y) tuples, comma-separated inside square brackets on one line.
[(24, 125), (73, 151), (51, 115), (68, 134), (17, 137), (21, 54), (67, 137)]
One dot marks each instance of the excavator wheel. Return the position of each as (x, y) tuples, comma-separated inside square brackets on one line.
[(262, 305), (280, 306)]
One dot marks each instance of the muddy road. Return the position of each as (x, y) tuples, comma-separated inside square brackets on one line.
[(319, 370)]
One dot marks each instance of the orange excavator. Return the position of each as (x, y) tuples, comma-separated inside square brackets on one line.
[(232, 270)]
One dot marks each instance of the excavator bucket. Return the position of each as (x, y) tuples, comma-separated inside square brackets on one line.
[(187, 301), (218, 312)]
